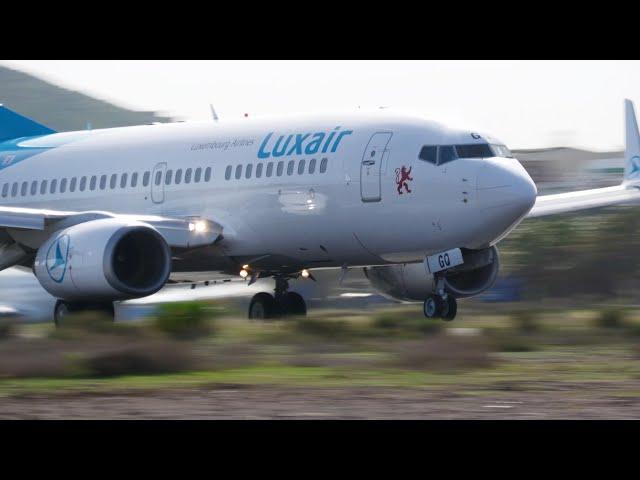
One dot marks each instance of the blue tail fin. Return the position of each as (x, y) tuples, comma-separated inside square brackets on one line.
[(13, 125)]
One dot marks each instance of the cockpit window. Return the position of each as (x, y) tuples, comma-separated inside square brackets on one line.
[(502, 151), (446, 153), (478, 150), (429, 153)]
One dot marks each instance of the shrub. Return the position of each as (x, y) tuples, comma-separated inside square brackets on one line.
[(334, 329), (611, 318), (141, 358), (6, 329), (526, 321), (406, 323), (444, 352), (184, 320)]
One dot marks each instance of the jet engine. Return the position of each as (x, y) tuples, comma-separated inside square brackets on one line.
[(103, 260), (411, 282)]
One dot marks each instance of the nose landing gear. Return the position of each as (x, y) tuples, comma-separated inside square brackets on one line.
[(437, 307), (440, 304), (284, 303)]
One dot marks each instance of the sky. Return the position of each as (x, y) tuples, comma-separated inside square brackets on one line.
[(526, 104)]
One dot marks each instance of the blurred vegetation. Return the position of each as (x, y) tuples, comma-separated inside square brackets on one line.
[(594, 255), (185, 320)]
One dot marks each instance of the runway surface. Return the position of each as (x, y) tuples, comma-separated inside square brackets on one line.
[(589, 400)]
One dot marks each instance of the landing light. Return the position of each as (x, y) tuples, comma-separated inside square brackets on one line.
[(199, 226), (305, 273), (244, 273)]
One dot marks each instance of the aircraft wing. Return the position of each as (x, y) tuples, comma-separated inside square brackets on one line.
[(627, 192), (583, 200), (178, 232)]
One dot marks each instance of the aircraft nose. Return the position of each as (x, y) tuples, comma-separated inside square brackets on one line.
[(505, 186)]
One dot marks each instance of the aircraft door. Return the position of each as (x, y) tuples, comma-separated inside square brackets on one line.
[(157, 182), (371, 166)]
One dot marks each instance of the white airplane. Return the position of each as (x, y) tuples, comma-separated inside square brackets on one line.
[(108, 215)]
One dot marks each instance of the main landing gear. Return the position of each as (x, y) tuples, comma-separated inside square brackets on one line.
[(63, 309), (284, 303)]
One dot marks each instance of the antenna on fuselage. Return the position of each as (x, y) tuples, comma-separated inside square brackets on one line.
[(213, 113)]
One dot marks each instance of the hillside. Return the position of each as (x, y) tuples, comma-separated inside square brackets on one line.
[(63, 109)]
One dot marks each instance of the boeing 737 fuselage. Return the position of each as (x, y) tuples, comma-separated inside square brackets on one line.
[(104, 215)]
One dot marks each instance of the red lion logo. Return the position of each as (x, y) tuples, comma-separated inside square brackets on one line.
[(402, 175)]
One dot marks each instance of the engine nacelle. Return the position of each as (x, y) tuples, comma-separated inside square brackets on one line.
[(411, 282), (106, 259)]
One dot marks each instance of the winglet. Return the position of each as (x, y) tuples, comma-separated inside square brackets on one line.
[(631, 145), (14, 125)]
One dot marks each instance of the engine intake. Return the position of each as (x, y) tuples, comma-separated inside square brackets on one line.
[(106, 259)]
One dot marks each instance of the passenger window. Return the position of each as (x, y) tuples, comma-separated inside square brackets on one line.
[(83, 183), (269, 169), (123, 180), (207, 174), (92, 183), (280, 168), (134, 179), (53, 185), (113, 181), (34, 187), (259, 170), (72, 184), (301, 167), (238, 172), (158, 179), (290, 167), (429, 153), (14, 189), (23, 189), (167, 179), (103, 182), (247, 173), (178, 176), (187, 175), (43, 187), (446, 153), (145, 179), (227, 172), (323, 165), (312, 165), (63, 185), (197, 175), (5, 189)]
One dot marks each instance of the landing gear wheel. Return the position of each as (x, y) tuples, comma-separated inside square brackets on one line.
[(294, 304), (432, 306), (262, 306), (449, 308), (62, 310)]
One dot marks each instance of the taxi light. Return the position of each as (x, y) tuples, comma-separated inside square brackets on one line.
[(244, 273), (305, 273)]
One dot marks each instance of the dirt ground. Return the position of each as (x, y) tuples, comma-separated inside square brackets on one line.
[(548, 401)]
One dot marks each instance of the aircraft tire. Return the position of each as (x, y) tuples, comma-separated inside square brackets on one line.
[(63, 309), (449, 309), (432, 307), (262, 306), (294, 304)]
